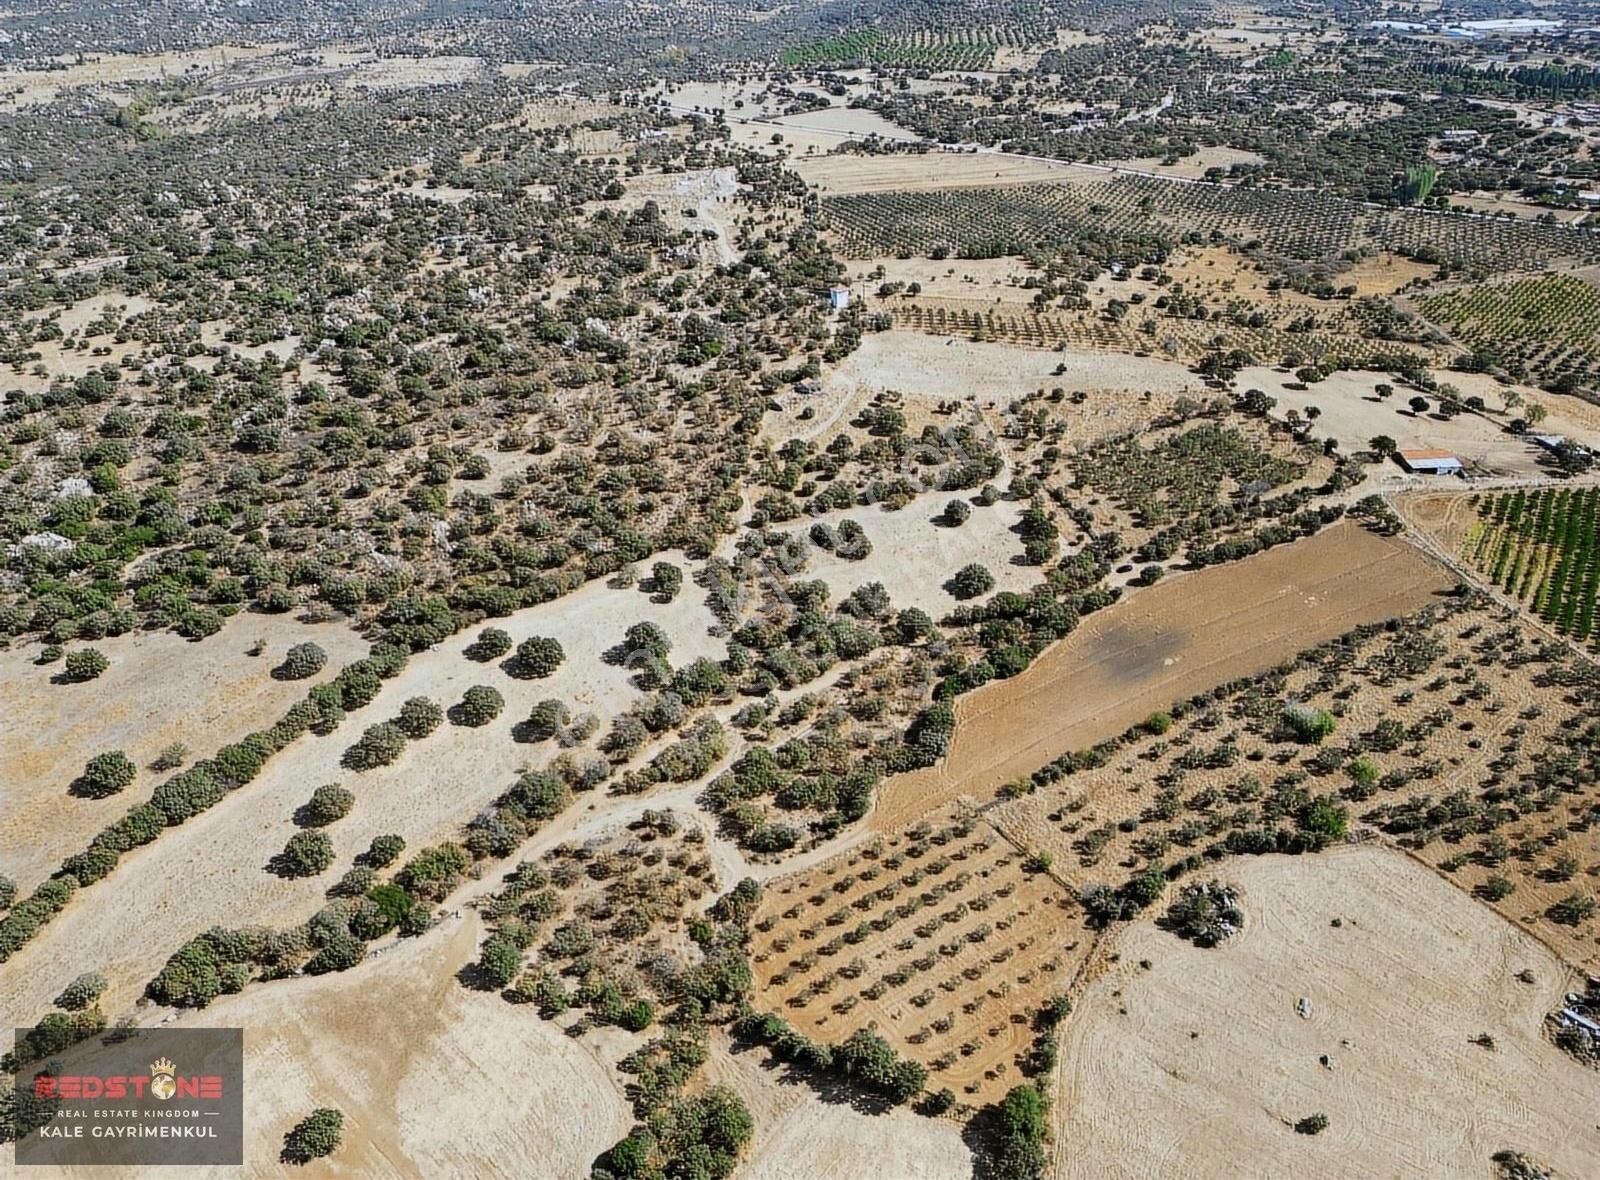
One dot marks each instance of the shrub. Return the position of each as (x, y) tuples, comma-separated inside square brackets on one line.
[(1312, 1124), (380, 745), (666, 580), (547, 719), (85, 664), (302, 660), (419, 717), (81, 992), (329, 803), (106, 774), (315, 1136), (499, 962), (306, 854), (957, 512), (171, 757), (491, 644), (538, 656), (1307, 725), (479, 705), (1204, 914), (1021, 1123), (970, 581), (384, 851), (1572, 909), (8, 892)]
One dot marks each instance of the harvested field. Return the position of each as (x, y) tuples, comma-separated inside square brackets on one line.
[(436, 1079), (1200, 1065), (937, 938), (1165, 643), (159, 689)]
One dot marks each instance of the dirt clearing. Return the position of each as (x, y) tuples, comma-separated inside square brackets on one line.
[(1393, 995), (1161, 645)]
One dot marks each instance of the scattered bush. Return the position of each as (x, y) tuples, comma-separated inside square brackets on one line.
[(81, 992), (329, 803), (479, 705), (491, 644), (306, 854), (106, 774), (85, 664), (419, 717), (302, 660), (538, 657), (970, 581)]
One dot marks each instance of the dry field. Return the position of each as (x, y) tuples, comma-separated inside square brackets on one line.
[(433, 1078), (160, 689), (971, 945), (1200, 1065), (836, 174), (1160, 645), (212, 870)]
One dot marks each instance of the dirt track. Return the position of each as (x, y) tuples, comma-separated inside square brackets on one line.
[(1162, 645)]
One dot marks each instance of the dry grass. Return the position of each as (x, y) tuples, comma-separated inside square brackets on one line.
[(1200, 1065)]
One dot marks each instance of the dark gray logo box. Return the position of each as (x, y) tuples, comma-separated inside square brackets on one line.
[(65, 1101)]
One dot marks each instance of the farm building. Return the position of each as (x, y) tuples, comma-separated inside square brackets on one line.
[(839, 298), (1429, 462)]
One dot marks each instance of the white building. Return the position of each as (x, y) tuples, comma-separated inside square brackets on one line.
[(838, 298), (1431, 462)]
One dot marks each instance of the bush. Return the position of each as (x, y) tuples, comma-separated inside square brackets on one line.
[(547, 719), (419, 717), (329, 803), (491, 644), (81, 992), (380, 745), (302, 660), (499, 962), (479, 705), (8, 892), (1021, 1123), (306, 854), (970, 581), (85, 664), (666, 580), (1204, 914), (957, 512), (315, 1136), (383, 851), (106, 774), (538, 656), (1307, 725), (1312, 1124)]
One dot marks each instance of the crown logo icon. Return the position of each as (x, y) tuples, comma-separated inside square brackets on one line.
[(162, 1066)]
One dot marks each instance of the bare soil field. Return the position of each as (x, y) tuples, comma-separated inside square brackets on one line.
[(1162, 644), (1200, 1065), (433, 1078), (938, 367), (835, 174), (955, 982), (159, 689)]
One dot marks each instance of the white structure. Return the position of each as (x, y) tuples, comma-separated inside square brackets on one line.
[(838, 298), (1431, 462)]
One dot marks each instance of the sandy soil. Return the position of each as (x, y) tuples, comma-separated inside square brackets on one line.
[(1160, 645), (433, 1080), (24, 88), (1415, 969), (212, 869), (1195, 166), (159, 689)]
